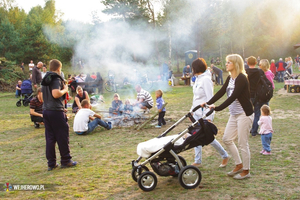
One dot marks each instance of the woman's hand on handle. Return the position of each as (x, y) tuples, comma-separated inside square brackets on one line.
[(209, 106), (203, 104), (212, 106)]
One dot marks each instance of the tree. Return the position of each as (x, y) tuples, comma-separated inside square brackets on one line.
[(129, 10), (17, 17), (9, 39)]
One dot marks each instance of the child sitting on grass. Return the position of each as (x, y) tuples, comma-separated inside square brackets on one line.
[(266, 130), (116, 105), (128, 108), (159, 103), (86, 120)]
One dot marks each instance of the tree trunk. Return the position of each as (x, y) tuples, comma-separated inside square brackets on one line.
[(221, 55), (177, 61), (170, 45), (243, 50), (151, 10)]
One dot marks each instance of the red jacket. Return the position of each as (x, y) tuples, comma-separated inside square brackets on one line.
[(273, 68), (280, 65)]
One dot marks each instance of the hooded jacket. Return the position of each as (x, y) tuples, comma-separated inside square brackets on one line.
[(52, 81)]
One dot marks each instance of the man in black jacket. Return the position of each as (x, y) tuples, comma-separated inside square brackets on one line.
[(254, 75), (55, 120)]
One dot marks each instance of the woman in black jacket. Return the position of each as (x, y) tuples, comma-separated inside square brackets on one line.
[(241, 114)]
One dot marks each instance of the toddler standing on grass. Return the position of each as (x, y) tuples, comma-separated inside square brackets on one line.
[(266, 130), (159, 103)]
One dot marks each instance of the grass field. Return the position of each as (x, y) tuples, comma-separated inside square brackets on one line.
[(104, 157)]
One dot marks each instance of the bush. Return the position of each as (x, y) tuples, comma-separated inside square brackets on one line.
[(10, 73)]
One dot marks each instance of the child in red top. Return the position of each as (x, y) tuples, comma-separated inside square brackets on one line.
[(266, 130)]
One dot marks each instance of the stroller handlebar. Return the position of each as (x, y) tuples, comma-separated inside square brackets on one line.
[(209, 112), (196, 108)]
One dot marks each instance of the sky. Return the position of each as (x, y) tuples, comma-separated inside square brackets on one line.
[(73, 9)]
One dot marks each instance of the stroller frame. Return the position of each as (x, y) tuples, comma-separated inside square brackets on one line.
[(25, 100), (189, 176)]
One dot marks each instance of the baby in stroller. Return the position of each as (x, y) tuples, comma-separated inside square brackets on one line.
[(162, 152), (26, 93)]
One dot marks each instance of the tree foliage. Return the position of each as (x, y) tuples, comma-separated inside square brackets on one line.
[(213, 27), (23, 37)]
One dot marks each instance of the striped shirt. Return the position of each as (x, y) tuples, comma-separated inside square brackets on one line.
[(36, 105), (235, 107), (143, 94)]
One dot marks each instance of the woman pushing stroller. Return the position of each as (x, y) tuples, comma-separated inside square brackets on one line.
[(241, 114)]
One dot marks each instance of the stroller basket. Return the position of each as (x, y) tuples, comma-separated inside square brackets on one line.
[(166, 162), (202, 134)]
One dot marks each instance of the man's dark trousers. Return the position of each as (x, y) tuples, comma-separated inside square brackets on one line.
[(56, 130)]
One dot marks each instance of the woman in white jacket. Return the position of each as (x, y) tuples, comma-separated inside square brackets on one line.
[(203, 92)]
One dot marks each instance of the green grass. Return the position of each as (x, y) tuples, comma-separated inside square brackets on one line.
[(104, 168)]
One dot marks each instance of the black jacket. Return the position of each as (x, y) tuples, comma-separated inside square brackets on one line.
[(254, 75), (240, 92)]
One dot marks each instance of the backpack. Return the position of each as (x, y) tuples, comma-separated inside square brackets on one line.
[(264, 90)]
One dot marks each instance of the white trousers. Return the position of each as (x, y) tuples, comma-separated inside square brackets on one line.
[(239, 126)]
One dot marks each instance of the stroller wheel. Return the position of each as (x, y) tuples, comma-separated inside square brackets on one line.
[(147, 181), (136, 172), (189, 177), (18, 103), (25, 103)]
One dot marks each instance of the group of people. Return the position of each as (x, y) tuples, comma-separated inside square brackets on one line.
[(216, 74), (89, 82), (281, 67), (246, 112)]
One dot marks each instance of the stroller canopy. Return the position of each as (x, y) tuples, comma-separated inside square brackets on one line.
[(26, 87)]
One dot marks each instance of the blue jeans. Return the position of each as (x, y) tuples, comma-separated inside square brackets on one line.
[(220, 78), (18, 93), (266, 141), (280, 76), (93, 124), (257, 106), (216, 145)]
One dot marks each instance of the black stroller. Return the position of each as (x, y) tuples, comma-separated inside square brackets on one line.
[(166, 162), (26, 93)]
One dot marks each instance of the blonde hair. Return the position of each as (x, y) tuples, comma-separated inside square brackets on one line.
[(237, 62), (127, 101), (266, 109), (160, 92), (78, 88), (272, 61), (264, 65), (117, 95)]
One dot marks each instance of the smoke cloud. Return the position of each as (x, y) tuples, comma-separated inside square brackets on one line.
[(121, 47)]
